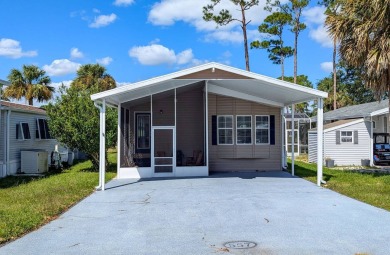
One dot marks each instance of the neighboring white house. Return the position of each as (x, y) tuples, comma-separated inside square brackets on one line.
[(349, 132), (22, 127)]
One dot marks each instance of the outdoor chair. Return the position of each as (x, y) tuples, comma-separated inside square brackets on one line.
[(196, 159)]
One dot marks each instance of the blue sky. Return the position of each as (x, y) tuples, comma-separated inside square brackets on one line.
[(137, 39)]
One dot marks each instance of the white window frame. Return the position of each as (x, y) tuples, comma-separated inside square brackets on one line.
[(269, 136), (21, 133), (232, 128), (238, 128), (39, 130), (351, 136)]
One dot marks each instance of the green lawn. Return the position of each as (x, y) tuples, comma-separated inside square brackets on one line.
[(373, 188), (29, 202)]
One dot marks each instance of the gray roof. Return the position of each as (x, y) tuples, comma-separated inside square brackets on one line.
[(335, 124), (355, 111)]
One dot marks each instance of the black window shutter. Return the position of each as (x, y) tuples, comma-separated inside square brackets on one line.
[(17, 131), (272, 129), (355, 137), (214, 129), (338, 137)]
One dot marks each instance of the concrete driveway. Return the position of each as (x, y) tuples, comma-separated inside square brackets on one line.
[(269, 213)]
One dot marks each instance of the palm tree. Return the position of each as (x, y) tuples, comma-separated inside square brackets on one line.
[(363, 29), (30, 83), (91, 75)]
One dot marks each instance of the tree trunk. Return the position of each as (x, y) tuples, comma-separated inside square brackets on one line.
[(94, 157), (245, 39), (282, 65), (334, 75), (295, 56), (30, 101)]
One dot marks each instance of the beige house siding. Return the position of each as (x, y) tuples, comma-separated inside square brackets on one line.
[(243, 157)]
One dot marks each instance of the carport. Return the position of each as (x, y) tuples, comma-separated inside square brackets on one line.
[(213, 80)]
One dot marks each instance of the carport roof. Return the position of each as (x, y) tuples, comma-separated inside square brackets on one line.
[(222, 80)]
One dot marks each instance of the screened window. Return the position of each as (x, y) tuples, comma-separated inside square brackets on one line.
[(262, 129), (23, 131), (42, 129), (142, 132), (346, 136), (225, 129), (244, 129)]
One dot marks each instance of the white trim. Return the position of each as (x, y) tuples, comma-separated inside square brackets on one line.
[(232, 128), (211, 65), (342, 126), (380, 112), (152, 156), (269, 135), (215, 89), (293, 139), (119, 151), (207, 127), (320, 139), (251, 129)]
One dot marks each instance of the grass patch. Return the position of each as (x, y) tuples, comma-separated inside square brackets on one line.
[(29, 202), (371, 188)]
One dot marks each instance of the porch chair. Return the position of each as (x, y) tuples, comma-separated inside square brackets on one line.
[(196, 159)]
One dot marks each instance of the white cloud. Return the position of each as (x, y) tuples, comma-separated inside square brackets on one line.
[(11, 48), (327, 66), (103, 20), (123, 2), (96, 10), (76, 53), (61, 67), (57, 85), (315, 20), (167, 12), (157, 54), (104, 61)]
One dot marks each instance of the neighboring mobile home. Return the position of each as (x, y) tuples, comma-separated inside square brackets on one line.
[(349, 132), (22, 128), (207, 118)]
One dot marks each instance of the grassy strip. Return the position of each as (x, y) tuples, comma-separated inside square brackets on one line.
[(29, 202), (371, 188)]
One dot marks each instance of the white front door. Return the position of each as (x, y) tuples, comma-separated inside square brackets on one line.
[(163, 153)]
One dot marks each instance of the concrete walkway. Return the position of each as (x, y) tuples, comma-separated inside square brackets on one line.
[(272, 213)]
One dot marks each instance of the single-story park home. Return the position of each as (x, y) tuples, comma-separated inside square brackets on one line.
[(349, 133), (206, 118), (24, 133)]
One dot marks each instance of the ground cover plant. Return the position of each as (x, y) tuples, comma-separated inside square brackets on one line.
[(371, 188), (29, 202)]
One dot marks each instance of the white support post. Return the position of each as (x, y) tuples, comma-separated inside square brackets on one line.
[(103, 143), (8, 142), (292, 140), (119, 152), (320, 137), (207, 124), (282, 126), (371, 148)]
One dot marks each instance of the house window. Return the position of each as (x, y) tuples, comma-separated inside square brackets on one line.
[(262, 129), (42, 131), (142, 132), (244, 129), (373, 124), (225, 129), (346, 136), (22, 131)]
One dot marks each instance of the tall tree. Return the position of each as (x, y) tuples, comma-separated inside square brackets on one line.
[(30, 83), (363, 30), (224, 17), (74, 120), (304, 81), (331, 9), (293, 8), (274, 25), (90, 75)]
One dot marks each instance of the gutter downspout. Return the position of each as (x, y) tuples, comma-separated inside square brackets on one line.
[(7, 142), (100, 173)]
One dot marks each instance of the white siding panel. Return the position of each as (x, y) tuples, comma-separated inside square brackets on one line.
[(313, 147), (348, 153)]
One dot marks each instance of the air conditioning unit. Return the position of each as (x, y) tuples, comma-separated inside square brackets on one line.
[(34, 161)]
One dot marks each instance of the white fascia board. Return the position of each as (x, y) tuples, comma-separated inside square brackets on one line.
[(199, 68), (380, 112), (344, 125), (232, 93)]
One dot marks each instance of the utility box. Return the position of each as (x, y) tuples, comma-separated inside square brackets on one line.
[(34, 161)]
